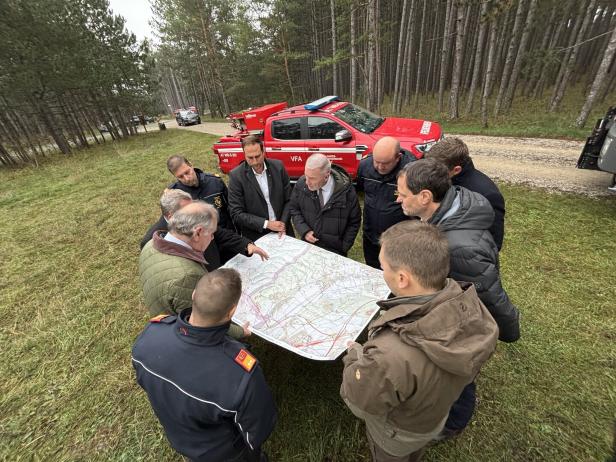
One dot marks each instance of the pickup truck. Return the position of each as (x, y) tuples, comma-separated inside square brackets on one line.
[(599, 152), (342, 131)]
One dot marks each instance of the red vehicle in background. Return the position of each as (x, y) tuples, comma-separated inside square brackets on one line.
[(342, 131)]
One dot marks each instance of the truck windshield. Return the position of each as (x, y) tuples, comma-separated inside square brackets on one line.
[(359, 118)]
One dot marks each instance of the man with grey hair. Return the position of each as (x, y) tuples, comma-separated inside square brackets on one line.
[(225, 241), (324, 206), (376, 176), (171, 264)]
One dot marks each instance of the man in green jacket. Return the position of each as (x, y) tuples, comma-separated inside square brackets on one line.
[(429, 342), (171, 264)]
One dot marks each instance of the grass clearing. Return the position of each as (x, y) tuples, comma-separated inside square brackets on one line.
[(71, 308), (528, 117)]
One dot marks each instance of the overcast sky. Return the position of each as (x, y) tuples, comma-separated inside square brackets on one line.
[(137, 14)]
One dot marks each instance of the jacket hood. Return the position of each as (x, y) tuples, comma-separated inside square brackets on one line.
[(453, 329), (463, 209)]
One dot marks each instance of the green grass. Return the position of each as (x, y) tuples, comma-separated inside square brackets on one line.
[(528, 117), (71, 308)]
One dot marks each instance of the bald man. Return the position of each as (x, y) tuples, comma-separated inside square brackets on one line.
[(376, 176)]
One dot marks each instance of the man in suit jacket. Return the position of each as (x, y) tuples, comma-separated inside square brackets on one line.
[(259, 193)]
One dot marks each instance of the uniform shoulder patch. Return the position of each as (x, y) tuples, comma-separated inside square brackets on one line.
[(159, 318), (246, 360)]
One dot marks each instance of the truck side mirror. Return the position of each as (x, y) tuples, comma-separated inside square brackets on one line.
[(343, 135)]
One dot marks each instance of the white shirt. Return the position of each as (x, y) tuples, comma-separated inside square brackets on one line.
[(171, 238), (327, 189), (262, 180)]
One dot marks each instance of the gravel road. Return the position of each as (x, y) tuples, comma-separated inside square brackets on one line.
[(536, 162)]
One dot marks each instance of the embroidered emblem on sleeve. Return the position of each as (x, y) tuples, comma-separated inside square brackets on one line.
[(246, 360), (159, 318)]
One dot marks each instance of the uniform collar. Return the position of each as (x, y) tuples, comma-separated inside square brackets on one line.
[(205, 336)]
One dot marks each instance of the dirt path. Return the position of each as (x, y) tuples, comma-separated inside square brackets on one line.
[(536, 162)]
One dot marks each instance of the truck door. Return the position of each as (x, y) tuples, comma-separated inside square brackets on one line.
[(321, 138), (287, 145)]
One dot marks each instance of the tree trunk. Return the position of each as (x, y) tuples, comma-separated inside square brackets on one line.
[(401, 42), (513, 81), (420, 71), (285, 55), (353, 63), (469, 39), (560, 92), (379, 66), (546, 65), (457, 66), (450, 11), (334, 66), (371, 95), (489, 72), (478, 56), (50, 125), (407, 67), (537, 65), (608, 58), (513, 47)]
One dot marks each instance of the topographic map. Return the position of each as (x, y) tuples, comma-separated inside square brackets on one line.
[(306, 299)]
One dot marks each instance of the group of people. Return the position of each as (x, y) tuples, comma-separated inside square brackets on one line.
[(435, 227)]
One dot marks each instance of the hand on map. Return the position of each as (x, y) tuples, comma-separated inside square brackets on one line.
[(310, 237), (277, 226), (252, 249), (246, 327)]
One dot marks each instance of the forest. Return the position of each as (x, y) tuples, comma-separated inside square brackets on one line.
[(376, 52), (68, 67)]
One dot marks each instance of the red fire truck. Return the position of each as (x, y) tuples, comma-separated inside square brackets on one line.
[(342, 131)]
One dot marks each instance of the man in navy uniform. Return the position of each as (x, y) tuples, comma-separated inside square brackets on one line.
[(376, 176), (201, 186), (207, 390)]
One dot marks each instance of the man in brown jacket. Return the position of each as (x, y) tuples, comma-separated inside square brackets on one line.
[(429, 342)]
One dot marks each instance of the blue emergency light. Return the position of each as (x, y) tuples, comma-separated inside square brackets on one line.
[(318, 104)]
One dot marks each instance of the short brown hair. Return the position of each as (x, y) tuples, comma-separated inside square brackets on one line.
[(250, 140), (175, 162), (419, 247), (216, 293), (452, 152), (429, 174)]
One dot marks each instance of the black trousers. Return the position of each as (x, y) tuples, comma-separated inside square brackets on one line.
[(371, 253), (462, 410)]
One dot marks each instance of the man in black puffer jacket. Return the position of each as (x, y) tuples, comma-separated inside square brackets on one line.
[(425, 191), (324, 206)]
